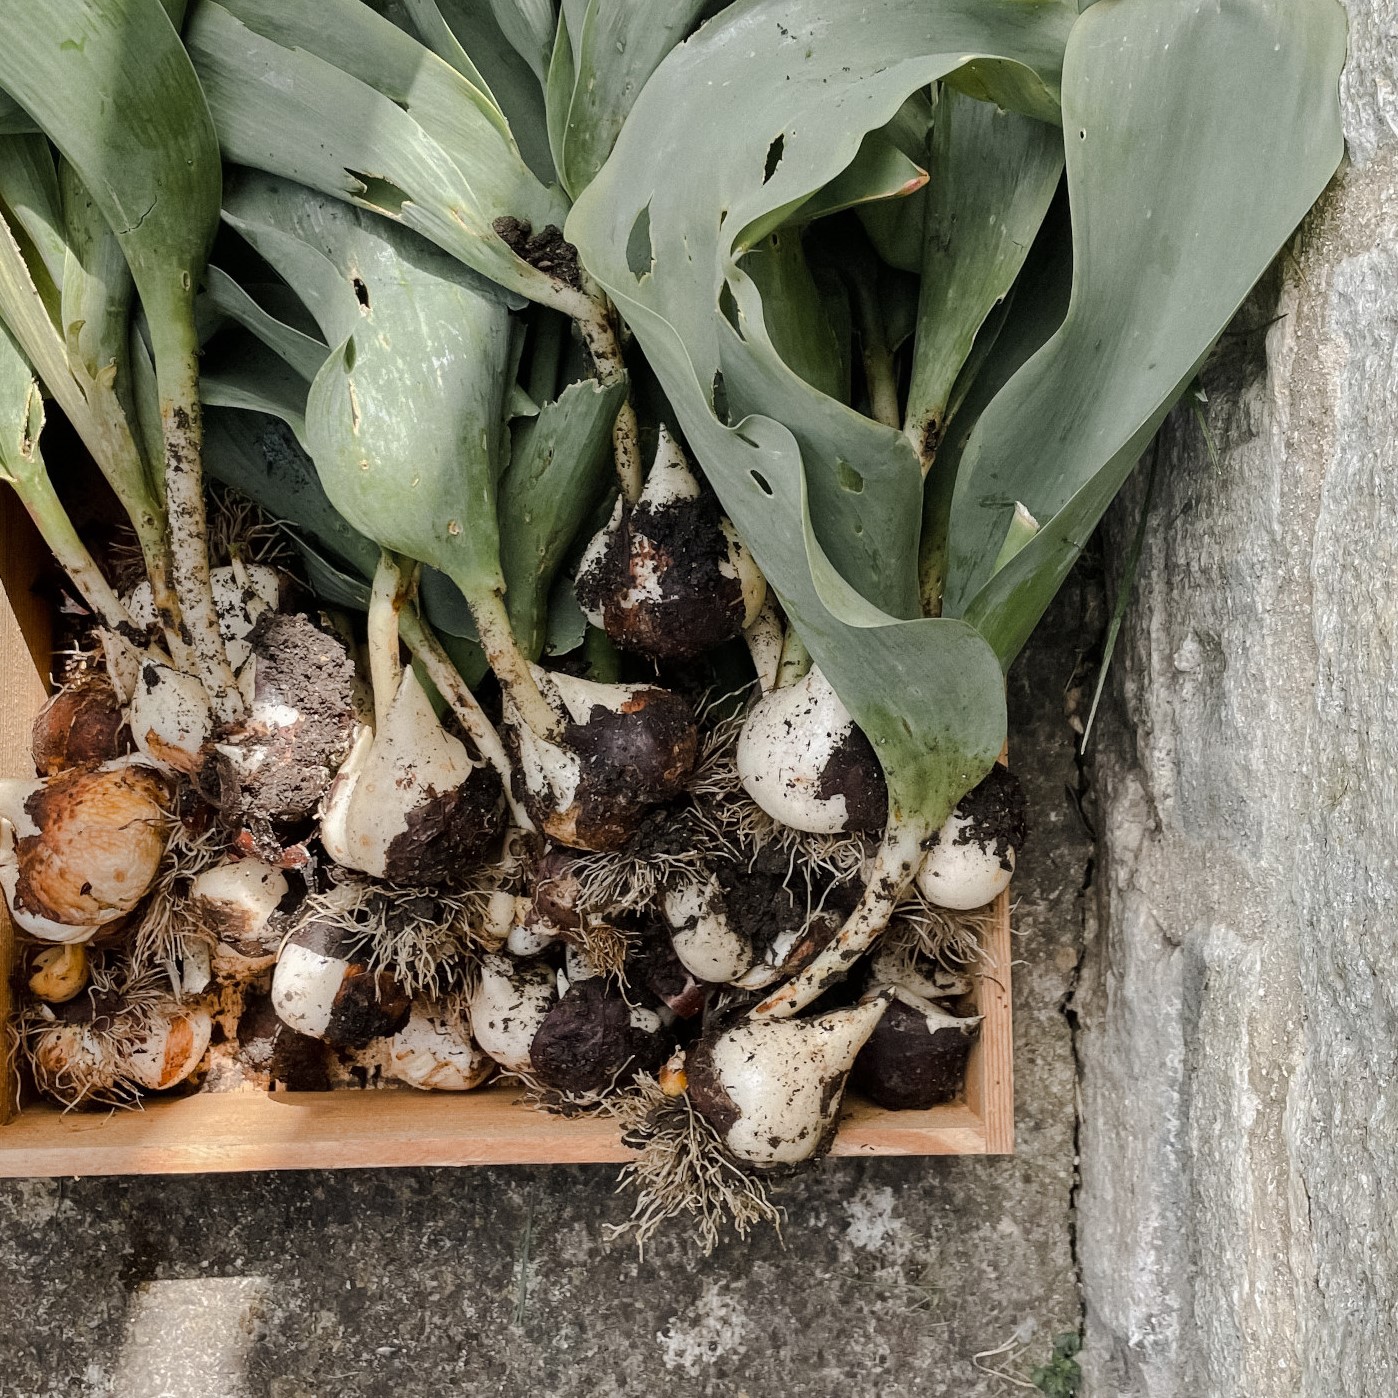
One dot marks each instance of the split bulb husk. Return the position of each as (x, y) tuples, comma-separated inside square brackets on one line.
[(668, 577), (242, 904), (621, 749), (806, 763), (508, 1004), (323, 985), (435, 1051), (81, 849), (972, 858), (772, 1089), (411, 804), (82, 725)]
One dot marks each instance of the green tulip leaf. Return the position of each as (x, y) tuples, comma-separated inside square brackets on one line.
[(333, 96), (1196, 142), (993, 174)]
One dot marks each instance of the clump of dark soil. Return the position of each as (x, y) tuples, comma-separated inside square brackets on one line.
[(547, 250)]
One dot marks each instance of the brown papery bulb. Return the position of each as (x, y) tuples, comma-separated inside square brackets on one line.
[(81, 849), (81, 726)]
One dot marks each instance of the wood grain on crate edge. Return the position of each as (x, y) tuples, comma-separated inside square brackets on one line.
[(216, 1133), (24, 666)]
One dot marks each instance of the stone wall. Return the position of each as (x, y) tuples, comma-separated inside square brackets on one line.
[(1238, 1005)]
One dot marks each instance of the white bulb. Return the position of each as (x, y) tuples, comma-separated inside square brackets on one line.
[(963, 876)]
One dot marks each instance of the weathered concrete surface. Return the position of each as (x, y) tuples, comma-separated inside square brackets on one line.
[(1238, 1007), (894, 1274)]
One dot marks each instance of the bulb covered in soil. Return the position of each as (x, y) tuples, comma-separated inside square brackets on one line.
[(656, 969), (706, 941), (323, 985), (169, 715), (593, 1039), (58, 973), (274, 768), (80, 850), (668, 577), (434, 1050), (916, 1057), (82, 725), (621, 749), (243, 904), (242, 593), (973, 858), (772, 1088), (411, 804), (508, 1004), (806, 762)]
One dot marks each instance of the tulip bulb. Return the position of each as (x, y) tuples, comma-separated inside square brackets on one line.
[(59, 973), (668, 576), (916, 1057), (168, 1045), (240, 903), (972, 859), (410, 803), (81, 725), (622, 749), (323, 985), (434, 1050), (242, 592), (508, 1005), (802, 758), (706, 942), (593, 1039), (170, 716), (80, 850), (772, 1088)]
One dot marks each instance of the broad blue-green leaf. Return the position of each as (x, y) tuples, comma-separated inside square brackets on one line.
[(466, 34), (801, 87), (829, 501), (113, 89), (993, 174), (1196, 141), (395, 130), (559, 469), (795, 314), (301, 353), (240, 371), (620, 44), (29, 190)]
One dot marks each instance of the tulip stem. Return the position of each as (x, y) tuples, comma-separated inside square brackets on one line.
[(387, 597), (902, 850)]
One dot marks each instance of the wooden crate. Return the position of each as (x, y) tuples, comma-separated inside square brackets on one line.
[(392, 1126)]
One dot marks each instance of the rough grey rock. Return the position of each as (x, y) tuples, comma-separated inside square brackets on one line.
[(1239, 1021), (380, 1284)]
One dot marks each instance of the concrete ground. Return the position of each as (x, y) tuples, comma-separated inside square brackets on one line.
[(891, 1278)]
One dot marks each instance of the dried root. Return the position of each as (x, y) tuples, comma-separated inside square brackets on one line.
[(242, 530), (683, 1170), (955, 941), (167, 937)]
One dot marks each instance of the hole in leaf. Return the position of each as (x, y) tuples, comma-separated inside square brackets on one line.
[(762, 483), (640, 251), (748, 441), (729, 307), (361, 293), (349, 356), (1082, 135), (720, 398), (774, 156), (379, 194), (849, 478)]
